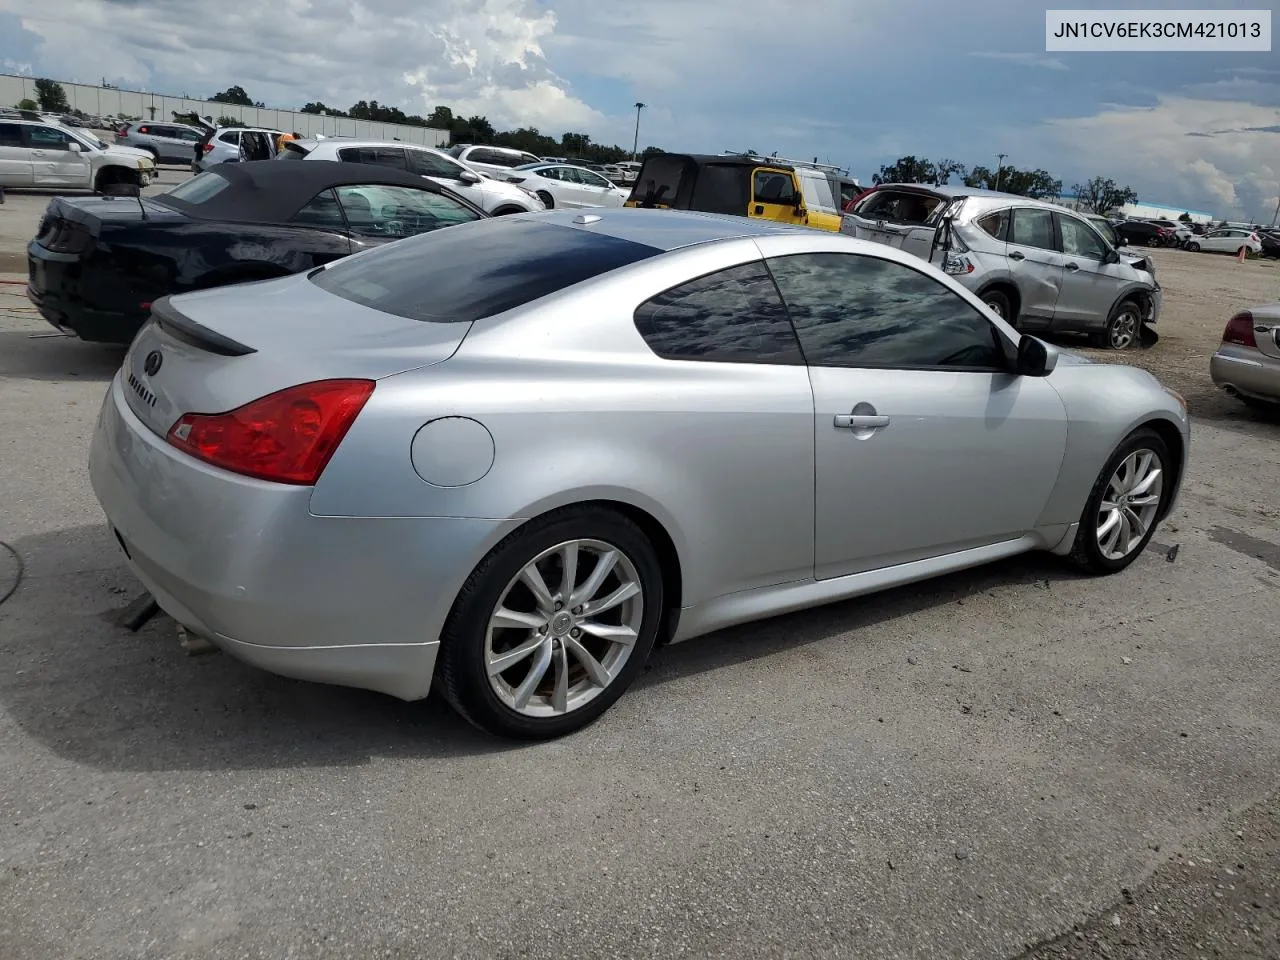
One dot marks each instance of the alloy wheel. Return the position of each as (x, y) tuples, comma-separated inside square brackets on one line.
[(1130, 504), (563, 628), (1124, 328), (996, 307)]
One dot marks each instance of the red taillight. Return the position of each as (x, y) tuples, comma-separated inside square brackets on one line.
[(1240, 330), (287, 436), (144, 129), (122, 133), (208, 147)]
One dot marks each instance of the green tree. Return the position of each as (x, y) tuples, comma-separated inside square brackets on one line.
[(225, 121), (1101, 194), (28, 104), (235, 94), (943, 170), (910, 169), (1037, 184), (53, 99), (1184, 218), (441, 117)]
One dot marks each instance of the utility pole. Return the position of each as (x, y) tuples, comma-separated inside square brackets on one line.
[(999, 166), (635, 144), (1276, 216)]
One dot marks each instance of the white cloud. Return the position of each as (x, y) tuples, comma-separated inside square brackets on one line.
[(1238, 168), (1023, 59), (476, 56)]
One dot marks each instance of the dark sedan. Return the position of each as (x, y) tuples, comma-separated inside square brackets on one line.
[(1143, 232), (97, 263)]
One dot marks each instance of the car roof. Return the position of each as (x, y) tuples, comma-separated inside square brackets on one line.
[(353, 142), (263, 191), (663, 230), (952, 191)]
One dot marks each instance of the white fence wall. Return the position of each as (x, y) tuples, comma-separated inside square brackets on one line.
[(108, 101)]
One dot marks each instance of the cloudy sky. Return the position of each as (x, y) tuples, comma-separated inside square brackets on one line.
[(858, 82)]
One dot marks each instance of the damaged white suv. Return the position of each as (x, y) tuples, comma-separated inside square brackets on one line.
[(1040, 266), (37, 151)]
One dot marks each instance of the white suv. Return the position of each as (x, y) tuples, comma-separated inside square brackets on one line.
[(38, 152), (494, 160), (493, 196)]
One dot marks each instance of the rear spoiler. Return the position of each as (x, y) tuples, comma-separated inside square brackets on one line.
[(181, 327)]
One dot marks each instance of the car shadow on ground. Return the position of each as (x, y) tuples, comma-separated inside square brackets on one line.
[(95, 693), (48, 355)]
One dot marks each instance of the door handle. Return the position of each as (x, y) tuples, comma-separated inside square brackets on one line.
[(1073, 267), (759, 209), (853, 421), (1017, 256)]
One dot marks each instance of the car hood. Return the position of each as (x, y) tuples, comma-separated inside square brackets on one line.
[(128, 155)]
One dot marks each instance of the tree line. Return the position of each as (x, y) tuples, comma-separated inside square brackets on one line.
[(1098, 194), (474, 129)]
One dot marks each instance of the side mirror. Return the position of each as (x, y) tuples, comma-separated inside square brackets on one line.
[(74, 147), (1035, 359), (466, 176), (1111, 257)]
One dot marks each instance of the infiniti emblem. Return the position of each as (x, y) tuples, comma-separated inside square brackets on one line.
[(151, 366)]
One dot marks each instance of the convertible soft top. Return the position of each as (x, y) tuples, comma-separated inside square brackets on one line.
[(268, 191)]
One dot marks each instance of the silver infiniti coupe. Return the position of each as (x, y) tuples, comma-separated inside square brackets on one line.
[(510, 457)]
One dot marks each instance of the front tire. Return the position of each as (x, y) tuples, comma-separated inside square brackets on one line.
[(1193, 246), (547, 199), (553, 625), (1124, 327), (1124, 505)]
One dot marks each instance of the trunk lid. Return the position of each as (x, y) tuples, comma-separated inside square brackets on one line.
[(212, 351)]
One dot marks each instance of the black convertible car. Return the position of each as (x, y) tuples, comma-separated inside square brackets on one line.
[(97, 263)]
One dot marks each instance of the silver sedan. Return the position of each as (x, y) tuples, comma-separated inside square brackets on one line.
[(1247, 362), (509, 458)]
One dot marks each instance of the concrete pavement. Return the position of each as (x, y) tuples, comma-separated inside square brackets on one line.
[(957, 769)]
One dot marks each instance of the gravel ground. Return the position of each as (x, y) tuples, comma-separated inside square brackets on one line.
[(971, 768)]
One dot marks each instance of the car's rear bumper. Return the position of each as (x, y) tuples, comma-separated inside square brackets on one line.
[(1247, 371), (56, 286), (347, 600)]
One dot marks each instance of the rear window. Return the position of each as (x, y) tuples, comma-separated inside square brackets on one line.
[(476, 270), (199, 188), (292, 151)]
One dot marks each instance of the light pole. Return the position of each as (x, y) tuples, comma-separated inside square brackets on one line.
[(999, 167), (635, 144)]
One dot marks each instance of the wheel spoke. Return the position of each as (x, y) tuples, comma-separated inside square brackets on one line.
[(604, 566), (569, 561), (560, 693), (1136, 526), (537, 670), (1146, 483), (624, 592), (615, 633), (1108, 506), (1125, 540), (595, 669), (1150, 500), (1109, 532), (516, 619), (499, 662), (532, 578)]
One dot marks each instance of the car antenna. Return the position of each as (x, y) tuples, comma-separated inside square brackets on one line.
[(142, 208)]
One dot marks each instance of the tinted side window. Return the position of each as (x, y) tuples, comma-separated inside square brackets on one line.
[(432, 165), (1033, 228), (322, 211), (996, 224), (10, 135), (733, 316), (857, 311), (381, 156)]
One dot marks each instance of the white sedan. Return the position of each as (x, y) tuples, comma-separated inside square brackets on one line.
[(564, 185), (1228, 240)]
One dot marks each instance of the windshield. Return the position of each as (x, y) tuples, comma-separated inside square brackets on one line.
[(198, 189)]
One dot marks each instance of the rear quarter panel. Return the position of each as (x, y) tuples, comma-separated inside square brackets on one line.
[(579, 409)]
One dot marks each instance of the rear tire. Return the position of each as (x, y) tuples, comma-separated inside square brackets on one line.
[(473, 638), (1088, 551), (998, 303), (1193, 246)]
